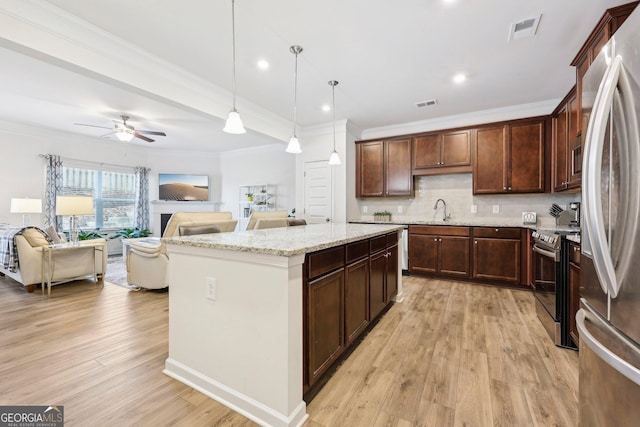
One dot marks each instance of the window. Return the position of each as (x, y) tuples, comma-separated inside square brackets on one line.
[(113, 192)]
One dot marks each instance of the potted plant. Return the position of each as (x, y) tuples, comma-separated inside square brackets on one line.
[(90, 235), (249, 197), (130, 233), (382, 216)]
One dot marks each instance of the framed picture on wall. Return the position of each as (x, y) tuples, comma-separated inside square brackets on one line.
[(183, 187)]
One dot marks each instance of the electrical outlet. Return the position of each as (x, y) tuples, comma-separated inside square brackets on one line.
[(399, 208), (365, 209), (474, 208), (210, 288), (496, 208)]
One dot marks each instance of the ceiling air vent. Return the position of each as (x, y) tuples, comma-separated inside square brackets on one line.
[(428, 103), (525, 28)]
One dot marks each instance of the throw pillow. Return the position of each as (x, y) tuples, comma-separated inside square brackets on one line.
[(190, 230), (35, 237), (53, 234)]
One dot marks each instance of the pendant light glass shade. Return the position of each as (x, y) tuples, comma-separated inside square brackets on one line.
[(234, 123), (294, 144), (334, 159), (124, 136)]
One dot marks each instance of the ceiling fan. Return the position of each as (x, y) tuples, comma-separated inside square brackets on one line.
[(126, 132)]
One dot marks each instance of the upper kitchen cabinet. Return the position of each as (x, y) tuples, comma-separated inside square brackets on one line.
[(510, 157), (566, 150), (448, 152), (606, 27), (383, 168)]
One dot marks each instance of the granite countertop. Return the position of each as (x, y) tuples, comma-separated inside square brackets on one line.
[(480, 222), (286, 241)]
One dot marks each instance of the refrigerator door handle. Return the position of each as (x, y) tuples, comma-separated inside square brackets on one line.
[(609, 357), (593, 180)]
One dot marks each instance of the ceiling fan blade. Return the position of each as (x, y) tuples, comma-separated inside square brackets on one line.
[(151, 132), (93, 126), (142, 137)]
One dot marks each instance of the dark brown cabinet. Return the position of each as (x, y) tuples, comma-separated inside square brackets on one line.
[(510, 158), (497, 254), (439, 250), (566, 149), (447, 152), (383, 273), (574, 290), (383, 168)]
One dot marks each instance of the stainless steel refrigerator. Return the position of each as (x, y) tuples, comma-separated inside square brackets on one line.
[(609, 318)]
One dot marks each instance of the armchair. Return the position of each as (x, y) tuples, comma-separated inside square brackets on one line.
[(258, 215), (147, 261)]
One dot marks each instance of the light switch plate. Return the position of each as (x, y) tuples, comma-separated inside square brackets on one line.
[(365, 209), (496, 208), (529, 218), (474, 208)]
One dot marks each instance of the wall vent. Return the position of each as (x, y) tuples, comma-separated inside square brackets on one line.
[(524, 28), (428, 103)]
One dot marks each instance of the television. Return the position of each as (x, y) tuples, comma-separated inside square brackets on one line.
[(183, 187)]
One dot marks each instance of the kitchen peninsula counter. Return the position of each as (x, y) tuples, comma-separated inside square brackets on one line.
[(236, 311)]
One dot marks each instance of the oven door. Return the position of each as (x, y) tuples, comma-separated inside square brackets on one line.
[(546, 265)]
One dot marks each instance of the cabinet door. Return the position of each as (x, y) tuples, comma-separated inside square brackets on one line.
[(526, 155), (560, 145), (356, 299), (423, 253), (325, 307), (426, 152), (496, 259), (456, 149), (489, 167), (370, 169), (399, 180), (377, 275), (454, 256), (391, 289)]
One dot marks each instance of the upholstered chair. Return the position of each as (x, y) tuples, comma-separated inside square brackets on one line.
[(255, 216)]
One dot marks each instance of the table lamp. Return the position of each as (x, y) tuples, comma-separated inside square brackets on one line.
[(26, 207), (73, 206)]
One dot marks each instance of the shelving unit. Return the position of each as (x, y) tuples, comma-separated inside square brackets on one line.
[(263, 199)]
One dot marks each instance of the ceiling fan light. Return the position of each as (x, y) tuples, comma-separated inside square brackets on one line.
[(294, 146), (234, 123), (124, 136), (334, 159)]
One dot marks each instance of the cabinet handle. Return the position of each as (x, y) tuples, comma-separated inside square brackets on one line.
[(497, 230), (504, 188), (509, 188), (435, 239), (475, 241)]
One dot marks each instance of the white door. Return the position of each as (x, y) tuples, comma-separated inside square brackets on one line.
[(317, 192)]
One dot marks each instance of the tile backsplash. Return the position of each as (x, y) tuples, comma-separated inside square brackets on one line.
[(457, 191)]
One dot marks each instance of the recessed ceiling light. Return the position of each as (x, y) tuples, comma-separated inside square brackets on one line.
[(326, 108), (263, 64), (459, 78)]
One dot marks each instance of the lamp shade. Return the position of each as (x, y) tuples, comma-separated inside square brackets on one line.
[(74, 205), (26, 206)]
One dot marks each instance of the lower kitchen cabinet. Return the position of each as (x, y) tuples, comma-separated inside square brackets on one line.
[(574, 289), (345, 288), (497, 254), (439, 250)]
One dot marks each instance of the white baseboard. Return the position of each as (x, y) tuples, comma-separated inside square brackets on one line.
[(250, 408)]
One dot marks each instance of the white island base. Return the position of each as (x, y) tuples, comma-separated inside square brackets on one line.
[(242, 348)]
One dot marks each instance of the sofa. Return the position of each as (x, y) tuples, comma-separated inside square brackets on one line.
[(147, 260), (65, 265)]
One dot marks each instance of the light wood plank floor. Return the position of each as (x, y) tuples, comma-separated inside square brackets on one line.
[(452, 354)]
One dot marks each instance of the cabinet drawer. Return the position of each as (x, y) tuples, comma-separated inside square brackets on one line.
[(324, 261), (497, 232), (392, 239), (378, 243), (574, 253), (357, 250), (439, 230)]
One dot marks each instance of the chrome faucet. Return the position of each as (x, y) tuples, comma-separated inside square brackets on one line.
[(435, 207)]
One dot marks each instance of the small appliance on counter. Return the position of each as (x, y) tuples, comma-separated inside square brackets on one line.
[(566, 218)]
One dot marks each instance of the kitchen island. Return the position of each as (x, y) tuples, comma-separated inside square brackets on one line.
[(237, 312)]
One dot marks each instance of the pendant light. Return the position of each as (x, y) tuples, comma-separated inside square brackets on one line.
[(234, 123), (294, 144), (334, 159)]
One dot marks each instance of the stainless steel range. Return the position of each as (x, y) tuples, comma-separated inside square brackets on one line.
[(550, 285)]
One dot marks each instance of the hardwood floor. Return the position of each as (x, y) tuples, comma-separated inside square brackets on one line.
[(452, 354)]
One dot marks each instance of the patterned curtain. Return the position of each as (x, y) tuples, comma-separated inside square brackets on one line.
[(142, 198), (53, 186)]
